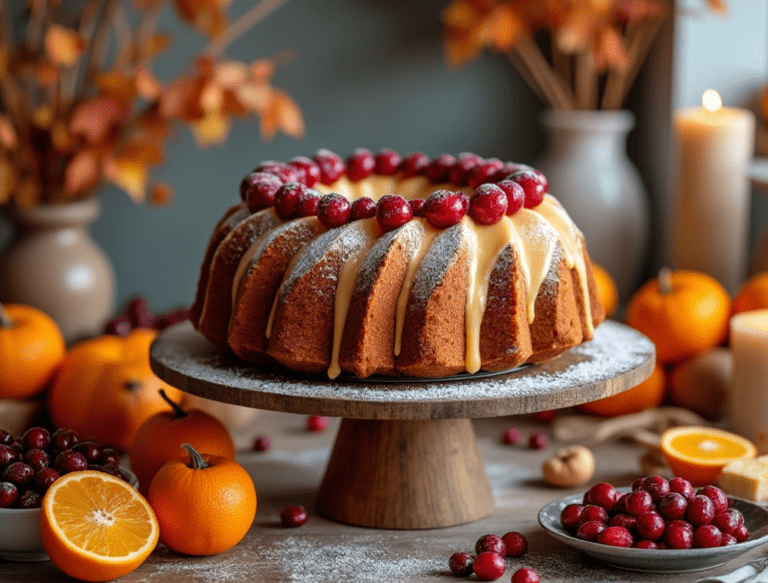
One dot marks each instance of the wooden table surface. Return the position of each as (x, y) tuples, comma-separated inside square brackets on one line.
[(325, 551)]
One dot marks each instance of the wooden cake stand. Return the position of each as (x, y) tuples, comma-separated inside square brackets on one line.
[(405, 456)]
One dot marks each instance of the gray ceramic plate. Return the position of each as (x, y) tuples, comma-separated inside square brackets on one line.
[(664, 560)]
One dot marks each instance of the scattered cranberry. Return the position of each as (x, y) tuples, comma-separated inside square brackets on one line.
[(650, 525), (64, 439), (308, 170), (70, 461), (393, 211), (457, 174), (30, 499), (615, 536), (362, 208), (36, 438), (437, 169), (727, 540), (262, 443), (90, 449), (525, 575), (293, 516), (331, 166), (681, 486), (140, 314), (603, 495), (109, 456), (511, 435), (545, 417), (18, 473), (637, 483), (8, 455), (481, 173), (9, 493), (334, 210), (741, 533), (570, 515), (288, 198), (672, 506), (626, 520), (120, 325), (639, 502), (414, 164), (417, 206), (590, 530), (592, 512), (317, 423), (534, 184), (728, 521), (37, 458), (360, 164), (516, 544), (538, 440), (45, 478), (718, 497), (656, 486), (645, 544), (172, 317), (488, 204), (489, 566), (490, 543), (387, 162), (444, 208), (701, 510), (461, 564)]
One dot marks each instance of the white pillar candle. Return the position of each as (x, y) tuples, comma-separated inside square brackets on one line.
[(748, 413), (711, 223)]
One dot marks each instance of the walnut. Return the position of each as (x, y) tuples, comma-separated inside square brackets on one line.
[(571, 466)]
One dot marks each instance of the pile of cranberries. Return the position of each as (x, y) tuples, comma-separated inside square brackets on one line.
[(31, 463), (656, 514), (489, 563), (499, 189), (139, 314)]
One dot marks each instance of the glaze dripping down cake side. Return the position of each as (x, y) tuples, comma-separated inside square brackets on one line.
[(388, 266)]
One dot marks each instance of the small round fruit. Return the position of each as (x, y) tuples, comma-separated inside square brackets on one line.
[(525, 575), (437, 169), (90, 449), (728, 521), (707, 537), (9, 493), (288, 199), (487, 204), (534, 184), (461, 564), (650, 525), (262, 443), (615, 536), (482, 173), (317, 423), (604, 495), (490, 543), (570, 515), (656, 486), (489, 566), (672, 506), (29, 499), (444, 208), (718, 497), (639, 502), (64, 439), (284, 172), (700, 511), (70, 461), (334, 210), (331, 166), (360, 164), (636, 483), (393, 211), (678, 536), (414, 164), (308, 170), (511, 435), (260, 190), (727, 540), (682, 486), (293, 516), (516, 544), (589, 530), (362, 208), (741, 533), (645, 544), (538, 440), (36, 438), (388, 162), (37, 458), (592, 512), (308, 203), (109, 456), (457, 174), (515, 195), (45, 478), (626, 520), (18, 473)]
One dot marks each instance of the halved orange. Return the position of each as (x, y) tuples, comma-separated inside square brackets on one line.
[(96, 527), (699, 454)]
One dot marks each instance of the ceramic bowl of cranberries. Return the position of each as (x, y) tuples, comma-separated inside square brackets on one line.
[(657, 525), (29, 464)]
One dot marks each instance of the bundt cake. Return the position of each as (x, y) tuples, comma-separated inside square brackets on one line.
[(387, 266)]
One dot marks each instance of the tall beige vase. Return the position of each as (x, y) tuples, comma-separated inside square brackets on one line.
[(53, 264)]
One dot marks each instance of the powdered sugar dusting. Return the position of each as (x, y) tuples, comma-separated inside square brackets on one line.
[(440, 256)]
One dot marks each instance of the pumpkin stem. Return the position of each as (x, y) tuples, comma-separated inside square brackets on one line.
[(5, 319), (177, 410), (198, 463), (133, 384), (665, 281)]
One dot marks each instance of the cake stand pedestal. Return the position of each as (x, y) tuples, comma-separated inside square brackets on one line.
[(406, 456)]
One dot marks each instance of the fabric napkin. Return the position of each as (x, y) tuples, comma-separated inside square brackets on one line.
[(752, 572)]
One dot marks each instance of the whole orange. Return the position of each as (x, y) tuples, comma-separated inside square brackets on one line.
[(607, 292), (682, 312), (204, 504), (31, 349), (753, 295), (648, 394), (158, 440)]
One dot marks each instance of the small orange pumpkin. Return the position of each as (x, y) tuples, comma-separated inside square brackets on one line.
[(159, 438), (204, 504), (31, 349), (106, 389)]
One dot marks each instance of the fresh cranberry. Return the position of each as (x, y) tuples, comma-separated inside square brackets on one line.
[(656, 486), (545, 417), (362, 208), (639, 502), (414, 164), (70, 461), (334, 210), (650, 525), (8, 455), (538, 440), (603, 495), (308, 203), (590, 530), (308, 170), (591, 513), (140, 314), (331, 166), (678, 536), (317, 423), (36, 438), (6, 437), (626, 520), (516, 544), (262, 443), (120, 325), (507, 170), (457, 173), (570, 515), (64, 439), (461, 564), (30, 499), (515, 196), (37, 458), (284, 172), (487, 204), (444, 208), (18, 473), (9, 493), (490, 543), (707, 536), (534, 184), (293, 516), (615, 536), (511, 435), (681, 486), (388, 162), (437, 169), (727, 540), (718, 497), (621, 503), (680, 522), (417, 206), (645, 544), (525, 575), (393, 211), (260, 190), (44, 478), (672, 506), (637, 483), (90, 449), (489, 566), (701, 510), (728, 521), (288, 199), (360, 164), (741, 533), (109, 456), (481, 173)]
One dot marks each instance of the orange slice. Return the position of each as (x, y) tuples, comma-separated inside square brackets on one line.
[(698, 454), (96, 527)]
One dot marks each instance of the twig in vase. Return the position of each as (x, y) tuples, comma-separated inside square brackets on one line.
[(242, 25), (557, 93), (124, 36), (586, 81)]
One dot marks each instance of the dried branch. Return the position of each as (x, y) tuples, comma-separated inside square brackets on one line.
[(242, 25), (124, 37)]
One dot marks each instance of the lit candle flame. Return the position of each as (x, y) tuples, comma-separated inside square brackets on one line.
[(711, 100)]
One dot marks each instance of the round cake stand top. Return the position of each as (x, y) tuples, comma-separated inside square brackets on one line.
[(617, 359)]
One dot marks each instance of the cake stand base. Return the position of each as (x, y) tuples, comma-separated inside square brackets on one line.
[(405, 475)]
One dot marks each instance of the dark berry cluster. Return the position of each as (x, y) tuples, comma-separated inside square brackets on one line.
[(656, 514), (489, 562), (499, 189), (139, 314), (31, 463)]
